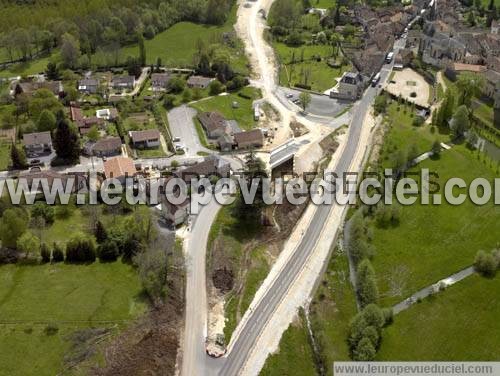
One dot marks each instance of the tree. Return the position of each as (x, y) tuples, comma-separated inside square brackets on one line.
[(17, 157), (44, 211), (57, 253), (460, 122), (28, 243), (305, 100), (366, 283), (45, 253), (469, 85), (445, 111), (215, 87), (100, 232), (204, 65), (186, 95), (176, 85), (142, 50), (108, 251), (485, 264), (93, 134), (380, 104), (52, 71), (365, 351), (134, 66), (169, 101), (66, 142), (436, 148), (70, 50), (13, 224), (254, 169), (374, 316), (46, 121), (80, 248)]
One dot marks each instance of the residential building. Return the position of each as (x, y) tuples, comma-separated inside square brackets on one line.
[(123, 82), (225, 142), (119, 168), (107, 147), (88, 86), (27, 178), (199, 82), (211, 166), (214, 124), (149, 138), (491, 84), (40, 142), (350, 87), (159, 81), (249, 139), (175, 214), (439, 46)]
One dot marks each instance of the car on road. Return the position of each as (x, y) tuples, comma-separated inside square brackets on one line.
[(376, 79), (176, 139), (179, 147), (289, 95), (296, 101), (35, 161)]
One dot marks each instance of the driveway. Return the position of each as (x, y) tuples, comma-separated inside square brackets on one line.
[(180, 120)]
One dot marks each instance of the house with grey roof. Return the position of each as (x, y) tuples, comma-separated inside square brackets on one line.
[(40, 142), (88, 86)]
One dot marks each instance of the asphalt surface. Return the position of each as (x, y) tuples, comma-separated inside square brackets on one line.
[(180, 120), (320, 106)]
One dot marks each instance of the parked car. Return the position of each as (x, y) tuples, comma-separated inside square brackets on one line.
[(289, 95), (176, 139)]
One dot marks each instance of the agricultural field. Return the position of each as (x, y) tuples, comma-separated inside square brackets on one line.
[(242, 113), (467, 312), (29, 67), (41, 307)]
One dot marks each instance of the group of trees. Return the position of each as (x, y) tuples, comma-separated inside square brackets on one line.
[(365, 332), (92, 25)]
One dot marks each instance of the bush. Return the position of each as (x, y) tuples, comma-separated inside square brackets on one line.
[(100, 232), (44, 211), (388, 316), (57, 253), (45, 253), (215, 87), (485, 264), (108, 251), (80, 249), (51, 329)]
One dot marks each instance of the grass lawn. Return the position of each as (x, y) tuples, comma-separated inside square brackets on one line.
[(459, 324), (433, 241), (325, 4), (167, 45), (295, 356), (29, 67), (69, 296), (223, 103), (333, 307), (150, 153)]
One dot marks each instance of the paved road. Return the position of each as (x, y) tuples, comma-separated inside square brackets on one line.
[(180, 120), (240, 351)]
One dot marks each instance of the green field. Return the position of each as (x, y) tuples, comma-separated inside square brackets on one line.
[(70, 297), (243, 114), (4, 155), (177, 45), (29, 67), (433, 241), (459, 324)]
